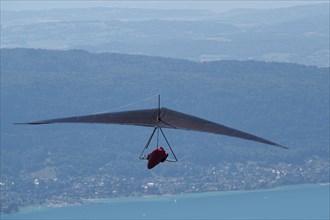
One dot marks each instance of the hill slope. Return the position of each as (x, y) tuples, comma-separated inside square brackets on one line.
[(286, 103)]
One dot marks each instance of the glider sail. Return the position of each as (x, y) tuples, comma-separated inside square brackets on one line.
[(161, 118)]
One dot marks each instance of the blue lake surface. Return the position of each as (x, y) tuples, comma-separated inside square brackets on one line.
[(292, 202)]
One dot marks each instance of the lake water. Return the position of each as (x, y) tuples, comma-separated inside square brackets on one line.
[(293, 202)]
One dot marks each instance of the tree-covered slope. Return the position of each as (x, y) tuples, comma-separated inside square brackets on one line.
[(286, 103)]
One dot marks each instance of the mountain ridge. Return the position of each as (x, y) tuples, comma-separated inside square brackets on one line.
[(295, 35)]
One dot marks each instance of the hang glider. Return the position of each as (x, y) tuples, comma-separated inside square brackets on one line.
[(159, 118)]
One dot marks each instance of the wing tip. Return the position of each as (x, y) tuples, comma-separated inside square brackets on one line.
[(29, 123), (20, 123), (278, 145)]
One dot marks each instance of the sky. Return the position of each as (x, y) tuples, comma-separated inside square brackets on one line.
[(215, 5)]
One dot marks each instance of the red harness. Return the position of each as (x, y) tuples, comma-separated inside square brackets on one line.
[(156, 156)]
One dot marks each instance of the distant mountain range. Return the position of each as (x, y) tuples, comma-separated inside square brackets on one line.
[(50, 164), (297, 34)]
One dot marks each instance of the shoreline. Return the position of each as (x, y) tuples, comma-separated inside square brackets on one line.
[(198, 194), (173, 197)]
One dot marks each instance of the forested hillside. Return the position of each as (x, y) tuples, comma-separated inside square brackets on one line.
[(62, 164)]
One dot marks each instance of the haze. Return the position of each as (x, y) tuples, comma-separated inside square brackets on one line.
[(218, 6)]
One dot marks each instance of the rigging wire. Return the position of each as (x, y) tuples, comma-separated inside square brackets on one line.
[(125, 106), (190, 154), (212, 143), (157, 137)]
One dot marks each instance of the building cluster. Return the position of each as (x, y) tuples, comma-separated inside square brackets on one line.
[(55, 192)]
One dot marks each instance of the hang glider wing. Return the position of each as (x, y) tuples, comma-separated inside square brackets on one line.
[(174, 119), (163, 117), (146, 117)]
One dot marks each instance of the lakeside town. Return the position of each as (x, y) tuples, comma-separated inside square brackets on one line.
[(56, 192)]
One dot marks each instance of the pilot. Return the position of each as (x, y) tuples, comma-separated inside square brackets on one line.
[(158, 155)]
